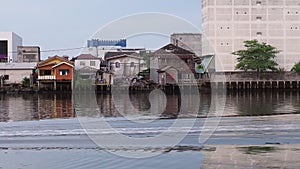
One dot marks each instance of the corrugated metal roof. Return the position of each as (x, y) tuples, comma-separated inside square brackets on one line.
[(17, 66)]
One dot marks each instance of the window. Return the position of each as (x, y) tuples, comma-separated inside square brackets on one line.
[(258, 2), (92, 63), (259, 33), (82, 63), (132, 64), (29, 56), (63, 72), (258, 18), (46, 73)]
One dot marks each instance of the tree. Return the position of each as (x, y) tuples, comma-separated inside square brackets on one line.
[(146, 58), (257, 56), (296, 67)]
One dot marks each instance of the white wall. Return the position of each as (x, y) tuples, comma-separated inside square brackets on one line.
[(15, 76), (13, 42), (87, 63), (125, 69)]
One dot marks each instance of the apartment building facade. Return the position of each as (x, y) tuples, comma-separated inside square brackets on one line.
[(226, 24)]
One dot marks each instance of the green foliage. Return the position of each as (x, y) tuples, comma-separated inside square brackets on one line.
[(281, 69), (296, 67), (26, 82), (200, 67), (257, 56), (146, 58)]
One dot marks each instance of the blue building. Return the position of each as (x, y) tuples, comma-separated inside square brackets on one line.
[(97, 42)]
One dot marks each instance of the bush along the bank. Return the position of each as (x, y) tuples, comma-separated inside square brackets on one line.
[(26, 82), (296, 67)]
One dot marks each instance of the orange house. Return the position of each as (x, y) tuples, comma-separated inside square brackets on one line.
[(55, 73)]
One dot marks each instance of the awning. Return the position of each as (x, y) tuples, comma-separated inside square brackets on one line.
[(206, 60)]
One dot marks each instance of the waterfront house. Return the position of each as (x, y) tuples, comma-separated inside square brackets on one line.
[(124, 66), (14, 73), (86, 60), (174, 64), (55, 73), (86, 66)]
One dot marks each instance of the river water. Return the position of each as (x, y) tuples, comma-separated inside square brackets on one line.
[(256, 130), (24, 107)]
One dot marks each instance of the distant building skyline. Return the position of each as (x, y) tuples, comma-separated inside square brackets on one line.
[(59, 24)]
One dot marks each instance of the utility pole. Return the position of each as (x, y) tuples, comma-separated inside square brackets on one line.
[(97, 51)]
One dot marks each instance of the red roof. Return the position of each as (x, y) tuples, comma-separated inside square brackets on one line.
[(85, 56)]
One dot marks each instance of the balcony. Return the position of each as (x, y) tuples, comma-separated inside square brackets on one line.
[(46, 77)]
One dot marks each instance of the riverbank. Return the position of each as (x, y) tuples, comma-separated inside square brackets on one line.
[(18, 89)]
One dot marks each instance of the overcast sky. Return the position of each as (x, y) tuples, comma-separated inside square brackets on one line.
[(56, 24)]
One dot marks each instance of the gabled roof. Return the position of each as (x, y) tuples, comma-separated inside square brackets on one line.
[(113, 54), (87, 68), (124, 55), (170, 48), (51, 61), (165, 68), (85, 57), (61, 63)]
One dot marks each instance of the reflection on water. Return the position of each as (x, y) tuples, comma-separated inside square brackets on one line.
[(263, 103), (141, 102), (18, 107), (232, 156)]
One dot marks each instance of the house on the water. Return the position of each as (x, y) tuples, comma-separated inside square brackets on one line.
[(124, 66), (173, 65), (87, 72), (55, 73)]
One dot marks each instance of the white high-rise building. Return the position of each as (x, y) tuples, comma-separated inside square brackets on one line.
[(227, 23), (9, 42)]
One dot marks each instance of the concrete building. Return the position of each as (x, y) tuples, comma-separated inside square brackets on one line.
[(86, 60), (29, 54), (100, 51), (188, 41), (9, 41), (227, 23), (124, 66), (15, 72)]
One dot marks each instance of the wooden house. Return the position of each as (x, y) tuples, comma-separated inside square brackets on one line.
[(55, 73), (174, 65)]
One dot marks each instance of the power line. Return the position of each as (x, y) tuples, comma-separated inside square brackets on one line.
[(57, 50)]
